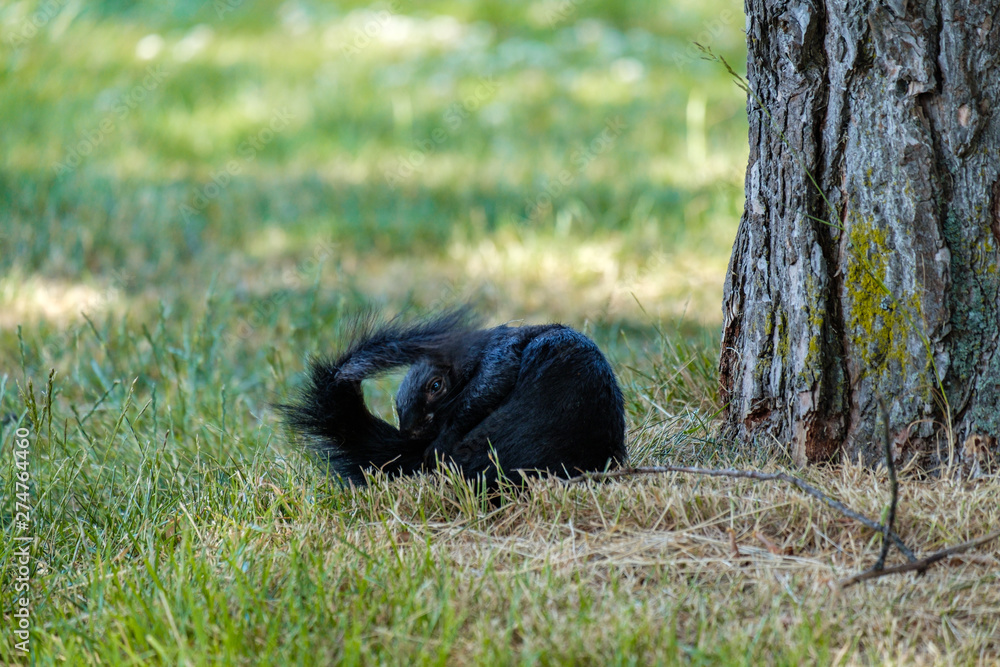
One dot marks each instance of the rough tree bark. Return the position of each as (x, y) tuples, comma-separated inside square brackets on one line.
[(894, 108)]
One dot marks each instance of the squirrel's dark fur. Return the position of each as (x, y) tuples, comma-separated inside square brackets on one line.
[(532, 397)]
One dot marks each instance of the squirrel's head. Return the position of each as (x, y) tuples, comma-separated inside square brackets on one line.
[(425, 388)]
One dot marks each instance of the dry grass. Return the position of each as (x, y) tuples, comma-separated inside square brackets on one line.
[(655, 557)]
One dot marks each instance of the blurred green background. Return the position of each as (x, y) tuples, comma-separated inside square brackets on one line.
[(246, 173), (551, 158)]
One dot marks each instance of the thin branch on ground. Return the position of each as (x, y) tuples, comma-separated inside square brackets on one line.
[(893, 490), (759, 476), (919, 566), (890, 517)]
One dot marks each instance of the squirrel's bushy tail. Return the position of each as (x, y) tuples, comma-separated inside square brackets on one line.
[(380, 346), (330, 409)]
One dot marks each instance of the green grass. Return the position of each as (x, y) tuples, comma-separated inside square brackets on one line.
[(162, 291)]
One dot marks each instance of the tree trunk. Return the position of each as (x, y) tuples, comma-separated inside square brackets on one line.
[(894, 109)]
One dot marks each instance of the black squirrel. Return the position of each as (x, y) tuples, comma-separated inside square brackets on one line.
[(522, 398)]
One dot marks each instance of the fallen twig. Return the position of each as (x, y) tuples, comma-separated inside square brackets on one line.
[(893, 489), (733, 546), (759, 476), (920, 566), (771, 546)]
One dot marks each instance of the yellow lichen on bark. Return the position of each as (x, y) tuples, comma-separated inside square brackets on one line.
[(878, 322)]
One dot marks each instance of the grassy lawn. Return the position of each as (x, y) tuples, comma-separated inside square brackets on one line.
[(193, 198)]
